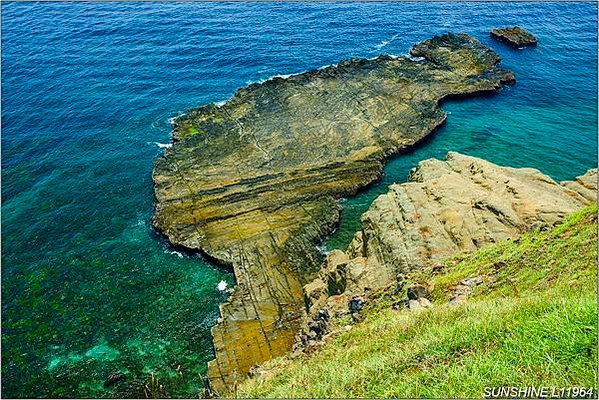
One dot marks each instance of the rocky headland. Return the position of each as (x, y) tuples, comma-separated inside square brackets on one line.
[(253, 184), (506, 307), (447, 207), (514, 36)]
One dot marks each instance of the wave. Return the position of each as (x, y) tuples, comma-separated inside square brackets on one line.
[(286, 76), (413, 58), (175, 252), (171, 120), (386, 42), (381, 45), (162, 145), (270, 78), (323, 249), (222, 286), (334, 65)]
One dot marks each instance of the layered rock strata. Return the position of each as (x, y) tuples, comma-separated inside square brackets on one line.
[(447, 207), (514, 36), (252, 183)]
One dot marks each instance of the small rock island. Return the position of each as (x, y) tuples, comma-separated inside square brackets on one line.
[(253, 183), (514, 36)]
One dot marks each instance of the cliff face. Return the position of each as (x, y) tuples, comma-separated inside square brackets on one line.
[(253, 183), (447, 207)]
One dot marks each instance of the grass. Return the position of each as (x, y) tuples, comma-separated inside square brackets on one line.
[(532, 322)]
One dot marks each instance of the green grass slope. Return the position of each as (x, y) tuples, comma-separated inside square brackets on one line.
[(532, 322)]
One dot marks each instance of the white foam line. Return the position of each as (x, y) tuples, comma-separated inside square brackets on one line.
[(171, 120), (286, 76), (162, 145), (322, 249), (174, 252), (327, 66), (386, 42)]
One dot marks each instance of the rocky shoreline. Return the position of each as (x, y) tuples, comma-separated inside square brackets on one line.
[(447, 207), (253, 183)]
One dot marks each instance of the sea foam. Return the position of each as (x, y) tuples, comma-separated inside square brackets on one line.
[(386, 42), (176, 253), (163, 145)]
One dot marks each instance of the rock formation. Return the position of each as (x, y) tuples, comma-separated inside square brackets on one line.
[(252, 183), (515, 36), (447, 207)]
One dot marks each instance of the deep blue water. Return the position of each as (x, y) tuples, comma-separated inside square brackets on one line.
[(88, 288)]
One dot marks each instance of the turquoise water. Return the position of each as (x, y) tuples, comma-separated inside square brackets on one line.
[(88, 288)]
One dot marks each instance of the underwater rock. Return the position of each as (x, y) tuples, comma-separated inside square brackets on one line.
[(114, 378), (253, 183)]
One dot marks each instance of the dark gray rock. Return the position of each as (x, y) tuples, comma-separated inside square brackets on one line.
[(356, 304), (113, 378), (417, 291), (514, 36)]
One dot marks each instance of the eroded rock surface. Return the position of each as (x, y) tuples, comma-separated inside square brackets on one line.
[(253, 183), (447, 207), (514, 36)]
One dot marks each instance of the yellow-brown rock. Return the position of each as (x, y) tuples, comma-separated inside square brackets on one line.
[(252, 184), (449, 207)]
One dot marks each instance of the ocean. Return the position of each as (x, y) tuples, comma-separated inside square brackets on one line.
[(89, 289)]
